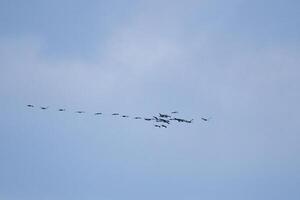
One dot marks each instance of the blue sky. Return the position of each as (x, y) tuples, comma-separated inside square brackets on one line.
[(236, 61)]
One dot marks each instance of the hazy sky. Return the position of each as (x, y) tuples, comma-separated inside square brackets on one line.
[(236, 61)]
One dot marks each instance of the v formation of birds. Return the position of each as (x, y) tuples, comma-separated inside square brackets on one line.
[(160, 121)]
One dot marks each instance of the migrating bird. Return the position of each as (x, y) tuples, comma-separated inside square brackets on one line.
[(205, 119), (174, 112), (178, 119), (164, 126), (148, 119), (158, 126), (115, 114), (163, 120), (61, 110), (98, 113), (125, 116), (164, 115), (80, 112), (44, 108), (30, 106), (137, 118), (188, 121)]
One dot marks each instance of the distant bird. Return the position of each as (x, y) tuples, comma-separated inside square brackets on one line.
[(164, 126), (163, 120), (30, 106), (178, 119), (125, 116), (158, 126), (115, 114), (205, 119), (148, 119), (98, 113), (137, 118), (80, 112), (174, 112), (44, 108), (61, 110), (164, 115), (188, 121)]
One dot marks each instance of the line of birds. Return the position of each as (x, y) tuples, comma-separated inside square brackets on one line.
[(162, 120)]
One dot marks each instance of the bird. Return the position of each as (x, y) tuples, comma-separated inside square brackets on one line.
[(137, 118), (188, 121), (158, 126), (178, 119), (174, 112), (30, 106), (61, 110), (125, 116), (164, 126), (80, 112), (44, 108), (205, 119), (98, 113), (163, 120), (164, 115), (115, 114), (148, 119)]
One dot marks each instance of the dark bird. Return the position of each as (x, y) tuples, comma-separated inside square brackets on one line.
[(30, 106), (174, 112), (148, 119), (188, 121), (80, 112), (158, 126), (44, 108), (205, 119), (164, 126), (61, 110), (115, 114), (164, 115), (137, 118), (163, 121), (178, 119), (98, 113), (125, 116)]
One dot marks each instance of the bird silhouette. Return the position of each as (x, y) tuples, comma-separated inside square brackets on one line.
[(61, 110), (115, 114), (158, 126), (205, 119), (80, 112), (98, 113), (137, 118), (44, 108), (30, 106), (125, 116), (174, 112), (164, 126)]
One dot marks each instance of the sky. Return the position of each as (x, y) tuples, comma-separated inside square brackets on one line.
[(235, 61)]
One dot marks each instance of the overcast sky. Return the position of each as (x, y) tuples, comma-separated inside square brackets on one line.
[(235, 61)]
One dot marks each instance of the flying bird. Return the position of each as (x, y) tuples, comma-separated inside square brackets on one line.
[(164, 126), (137, 118), (174, 112), (30, 106), (44, 108), (80, 112), (125, 116), (98, 113), (158, 126), (61, 110), (205, 119), (148, 119), (164, 115), (115, 114)]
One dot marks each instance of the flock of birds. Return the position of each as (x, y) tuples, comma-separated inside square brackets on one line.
[(160, 121)]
